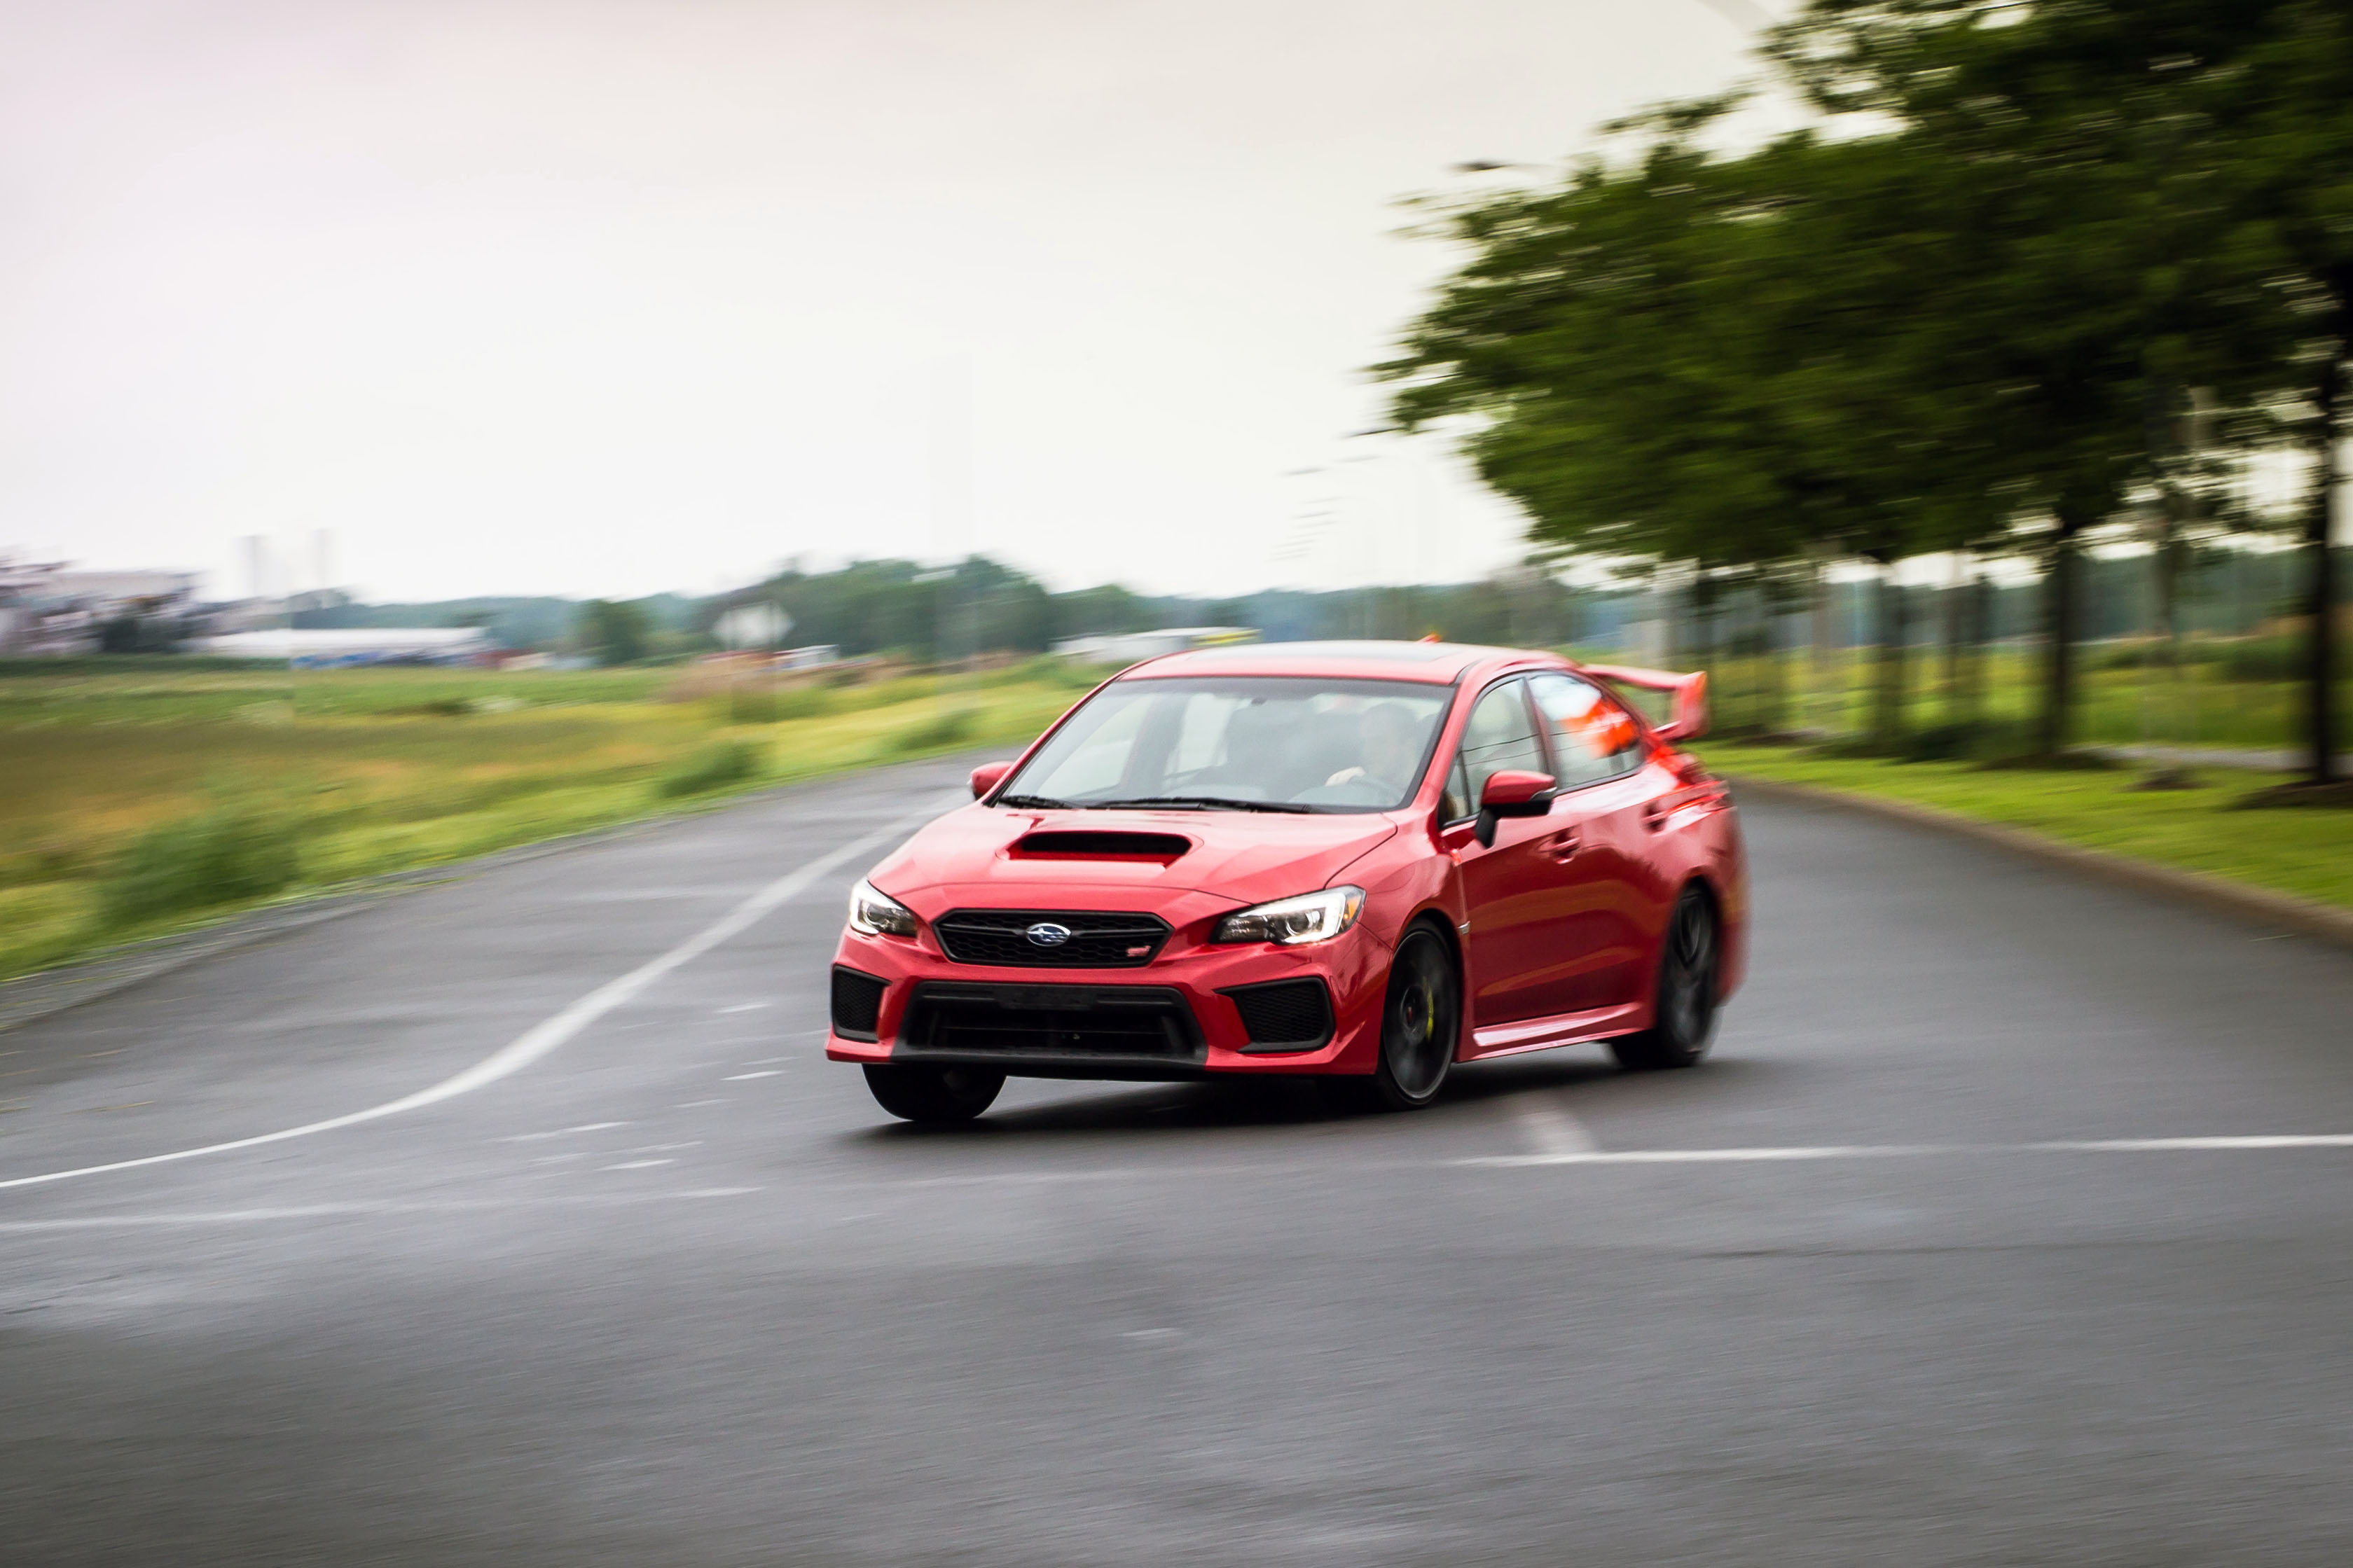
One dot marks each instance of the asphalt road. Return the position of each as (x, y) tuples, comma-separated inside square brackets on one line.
[(672, 1292)]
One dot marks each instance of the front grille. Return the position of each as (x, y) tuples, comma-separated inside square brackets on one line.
[(1071, 1026), (857, 1003), (1285, 1014), (1097, 941)]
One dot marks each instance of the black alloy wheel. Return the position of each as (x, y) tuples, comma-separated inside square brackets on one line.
[(1420, 1023), (934, 1097), (1688, 983)]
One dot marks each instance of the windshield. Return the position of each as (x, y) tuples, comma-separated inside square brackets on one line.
[(1240, 742)]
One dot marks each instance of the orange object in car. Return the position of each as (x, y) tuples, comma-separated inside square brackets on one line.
[(1604, 729)]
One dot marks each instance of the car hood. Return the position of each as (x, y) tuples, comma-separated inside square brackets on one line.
[(988, 856)]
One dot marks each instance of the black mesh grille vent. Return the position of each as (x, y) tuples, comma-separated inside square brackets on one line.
[(1071, 1023), (857, 1003), (1292, 1014), (1096, 939)]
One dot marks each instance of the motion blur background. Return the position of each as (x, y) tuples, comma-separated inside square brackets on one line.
[(426, 427), (433, 427)]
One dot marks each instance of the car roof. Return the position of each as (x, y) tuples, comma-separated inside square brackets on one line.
[(1438, 663)]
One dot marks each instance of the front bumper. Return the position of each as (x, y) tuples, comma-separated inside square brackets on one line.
[(1187, 1014)]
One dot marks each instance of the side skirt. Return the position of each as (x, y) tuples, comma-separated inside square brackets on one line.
[(1561, 1029)]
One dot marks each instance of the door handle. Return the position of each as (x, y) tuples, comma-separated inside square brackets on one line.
[(1561, 846)]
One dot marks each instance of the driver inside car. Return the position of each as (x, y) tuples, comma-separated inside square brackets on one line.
[(1389, 742)]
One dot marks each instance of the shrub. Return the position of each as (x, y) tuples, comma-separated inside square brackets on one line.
[(1942, 744), (759, 704), (715, 766), (2268, 658), (233, 851), (937, 732), (749, 704)]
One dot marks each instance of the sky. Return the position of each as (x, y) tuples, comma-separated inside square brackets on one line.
[(613, 297)]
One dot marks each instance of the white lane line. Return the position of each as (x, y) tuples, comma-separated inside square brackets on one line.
[(741, 1077), (639, 1164), (1161, 1175), (563, 1131), (544, 1037), (1913, 1151), (1553, 1129), (237, 1217), (744, 1008), (2171, 1145)]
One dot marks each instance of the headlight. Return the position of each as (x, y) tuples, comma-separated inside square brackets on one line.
[(1294, 923), (876, 914)]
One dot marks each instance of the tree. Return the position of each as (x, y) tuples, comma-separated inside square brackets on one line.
[(2159, 180), (2289, 117), (1709, 360), (613, 632)]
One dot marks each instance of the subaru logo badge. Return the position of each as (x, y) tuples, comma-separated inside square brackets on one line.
[(1046, 934)]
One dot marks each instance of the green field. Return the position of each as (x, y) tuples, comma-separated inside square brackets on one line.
[(2307, 851), (134, 786), (139, 791), (2226, 693)]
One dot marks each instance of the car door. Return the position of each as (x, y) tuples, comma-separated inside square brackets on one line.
[(1505, 884), (1598, 906)]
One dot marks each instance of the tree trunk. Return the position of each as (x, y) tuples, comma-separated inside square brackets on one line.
[(1956, 634), (2320, 672), (1704, 625), (2059, 617), (1981, 651), (1887, 719), (1776, 599), (1822, 632)]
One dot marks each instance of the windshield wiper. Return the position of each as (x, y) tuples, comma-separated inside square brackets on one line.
[(1035, 802), (1199, 802)]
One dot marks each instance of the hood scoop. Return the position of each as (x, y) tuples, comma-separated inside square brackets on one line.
[(1158, 848)]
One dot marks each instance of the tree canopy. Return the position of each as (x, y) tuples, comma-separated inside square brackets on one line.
[(1961, 309)]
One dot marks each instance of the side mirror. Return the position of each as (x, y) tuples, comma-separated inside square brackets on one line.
[(1512, 793), (987, 776)]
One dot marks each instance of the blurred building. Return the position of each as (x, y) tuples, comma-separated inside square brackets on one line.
[(47, 609), (1129, 647), (324, 648)]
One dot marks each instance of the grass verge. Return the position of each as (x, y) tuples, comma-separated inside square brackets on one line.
[(154, 800), (2306, 853)]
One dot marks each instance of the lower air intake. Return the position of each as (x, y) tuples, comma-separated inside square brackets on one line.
[(857, 1003), (1088, 1031), (1285, 1014)]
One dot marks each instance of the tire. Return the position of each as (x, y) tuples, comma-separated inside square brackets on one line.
[(1421, 1023), (1689, 962), (934, 1097)]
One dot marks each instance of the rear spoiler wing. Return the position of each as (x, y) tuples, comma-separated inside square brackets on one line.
[(1687, 697)]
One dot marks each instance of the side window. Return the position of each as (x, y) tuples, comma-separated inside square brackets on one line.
[(1454, 803), (1592, 737), (1500, 735)]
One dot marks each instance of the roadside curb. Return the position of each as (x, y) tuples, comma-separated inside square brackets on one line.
[(2299, 915)]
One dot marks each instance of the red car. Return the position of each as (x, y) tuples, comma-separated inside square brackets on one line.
[(1362, 860)]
